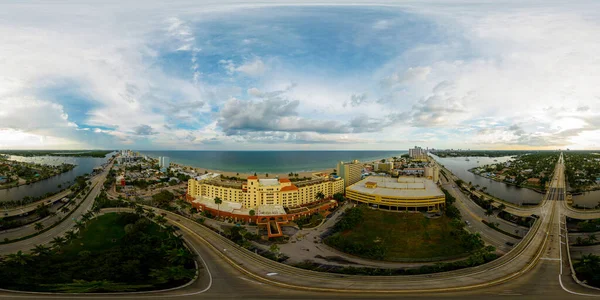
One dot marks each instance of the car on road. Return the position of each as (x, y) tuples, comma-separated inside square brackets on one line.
[(510, 244)]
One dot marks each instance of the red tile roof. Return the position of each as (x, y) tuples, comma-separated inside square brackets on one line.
[(252, 177), (284, 180), (289, 188)]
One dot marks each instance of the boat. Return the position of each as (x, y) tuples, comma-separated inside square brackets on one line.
[(467, 159)]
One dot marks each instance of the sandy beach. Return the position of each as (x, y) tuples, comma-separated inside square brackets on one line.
[(301, 174), (201, 171)]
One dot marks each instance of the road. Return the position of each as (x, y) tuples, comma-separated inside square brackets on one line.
[(534, 269), (66, 225), (474, 214), (17, 211)]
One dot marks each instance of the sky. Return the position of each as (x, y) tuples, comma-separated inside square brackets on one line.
[(224, 75)]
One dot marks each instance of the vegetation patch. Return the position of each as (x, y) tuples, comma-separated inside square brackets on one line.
[(395, 236), (112, 253), (588, 269)]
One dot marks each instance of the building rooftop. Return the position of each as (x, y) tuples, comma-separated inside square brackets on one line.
[(236, 207), (269, 182), (407, 187)]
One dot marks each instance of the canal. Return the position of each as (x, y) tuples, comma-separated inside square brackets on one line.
[(83, 165), (460, 166)]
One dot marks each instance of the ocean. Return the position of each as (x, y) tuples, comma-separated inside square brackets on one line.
[(269, 161)]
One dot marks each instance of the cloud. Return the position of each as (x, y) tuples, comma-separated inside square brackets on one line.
[(357, 99), (409, 75), (274, 114), (144, 130), (255, 67), (514, 75)]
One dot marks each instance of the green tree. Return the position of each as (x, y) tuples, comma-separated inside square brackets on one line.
[(179, 256), (18, 258), (339, 197), (252, 212), (71, 235), (502, 207), (320, 196), (38, 226), (274, 249), (218, 202), (488, 213), (40, 250), (58, 241)]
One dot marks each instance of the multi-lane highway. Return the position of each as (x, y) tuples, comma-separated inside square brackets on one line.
[(60, 229), (536, 268)]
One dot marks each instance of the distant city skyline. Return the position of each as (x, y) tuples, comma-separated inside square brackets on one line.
[(194, 75)]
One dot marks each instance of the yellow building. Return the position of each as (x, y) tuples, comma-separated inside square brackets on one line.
[(351, 172), (255, 192), (403, 193)]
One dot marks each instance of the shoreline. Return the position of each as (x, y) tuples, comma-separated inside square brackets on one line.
[(22, 182), (244, 175), (507, 183), (301, 173)]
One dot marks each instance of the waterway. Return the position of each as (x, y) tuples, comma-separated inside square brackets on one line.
[(460, 166), (587, 199), (83, 165)]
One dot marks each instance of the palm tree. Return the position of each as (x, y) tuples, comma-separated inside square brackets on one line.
[(502, 207), (79, 225), (592, 238), (85, 217), (64, 210), (150, 214), (18, 258), (139, 210), (38, 226), (488, 213), (179, 256), (218, 202), (320, 196), (40, 250), (58, 241), (96, 209), (71, 235), (161, 220)]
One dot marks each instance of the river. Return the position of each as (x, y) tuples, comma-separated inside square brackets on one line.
[(460, 166), (83, 165)]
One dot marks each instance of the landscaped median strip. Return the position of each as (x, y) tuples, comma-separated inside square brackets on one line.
[(54, 224), (493, 226)]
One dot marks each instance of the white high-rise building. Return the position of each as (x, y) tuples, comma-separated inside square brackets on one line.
[(164, 163)]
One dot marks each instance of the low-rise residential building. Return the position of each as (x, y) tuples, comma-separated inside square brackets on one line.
[(383, 166), (533, 181)]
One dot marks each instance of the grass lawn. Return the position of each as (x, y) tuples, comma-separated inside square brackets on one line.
[(406, 235), (103, 233)]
